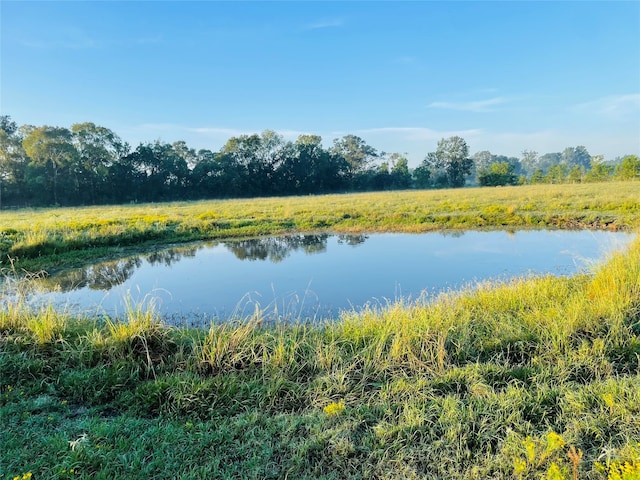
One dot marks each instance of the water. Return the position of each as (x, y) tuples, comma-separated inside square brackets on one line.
[(317, 276)]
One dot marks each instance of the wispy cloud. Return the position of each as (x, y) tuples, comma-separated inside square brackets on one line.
[(615, 107), (325, 23), (405, 60), (76, 39), (153, 40), (419, 133), (233, 132), (472, 106), (210, 137), (205, 130), (72, 39)]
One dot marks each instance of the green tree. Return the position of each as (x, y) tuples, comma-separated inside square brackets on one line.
[(599, 171), (7, 125), (311, 168), (628, 168), (578, 156), (52, 148), (481, 162), (422, 175), (257, 157), (498, 174), (452, 156), (13, 159), (529, 161), (400, 175), (576, 174), (358, 155), (98, 148), (547, 160), (556, 173), (538, 176)]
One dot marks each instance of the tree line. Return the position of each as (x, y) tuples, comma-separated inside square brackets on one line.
[(89, 164)]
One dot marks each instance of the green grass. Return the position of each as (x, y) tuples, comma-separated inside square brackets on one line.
[(47, 238), (473, 385), (533, 378)]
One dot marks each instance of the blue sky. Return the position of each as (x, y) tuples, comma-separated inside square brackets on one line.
[(506, 76)]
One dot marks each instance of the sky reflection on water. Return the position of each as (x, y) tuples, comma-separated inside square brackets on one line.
[(299, 276)]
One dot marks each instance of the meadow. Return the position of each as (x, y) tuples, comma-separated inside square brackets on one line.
[(49, 238), (533, 378)]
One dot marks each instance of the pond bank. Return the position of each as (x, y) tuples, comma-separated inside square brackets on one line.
[(502, 382), (52, 238), (314, 277)]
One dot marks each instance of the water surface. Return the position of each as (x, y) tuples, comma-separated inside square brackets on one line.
[(300, 276)]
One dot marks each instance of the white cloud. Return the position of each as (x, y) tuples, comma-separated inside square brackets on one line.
[(419, 133), (213, 131), (325, 23), (208, 137), (609, 144), (405, 60), (416, 142), (613, 107), (77, 39), (473, 106), (69, 38)]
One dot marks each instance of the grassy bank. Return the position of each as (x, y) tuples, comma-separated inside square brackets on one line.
[(46, 238), (537, 378)]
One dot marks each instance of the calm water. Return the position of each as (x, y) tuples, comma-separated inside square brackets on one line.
[(319, 275)]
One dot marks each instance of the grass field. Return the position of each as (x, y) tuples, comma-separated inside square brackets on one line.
[(536, 378), (47, 238)]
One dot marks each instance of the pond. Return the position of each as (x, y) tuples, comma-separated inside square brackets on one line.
[(318, 275)]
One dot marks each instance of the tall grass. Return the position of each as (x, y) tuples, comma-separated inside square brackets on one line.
[(474, 384), (532, 378)]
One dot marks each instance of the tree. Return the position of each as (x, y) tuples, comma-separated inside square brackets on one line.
[(98, 148), (210, 177), (400, 175), (628, 168), (547, 160), (308, 168), (600, 171), (482, 160), (498, 174), (578, 156), (529, 161), (257, 157), (13, 158), (189, 155), (452, 155), (8, 125), (556, 173), (422, 175), (52, 148), (355, 151), (576, 174)]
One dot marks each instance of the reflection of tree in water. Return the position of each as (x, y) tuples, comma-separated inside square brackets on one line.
[(352, 239), (276, 249), (453, 233), (172, 255), (106, 275), (102, 276)]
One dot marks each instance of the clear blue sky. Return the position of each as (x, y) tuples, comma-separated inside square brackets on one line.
[(506, 76)]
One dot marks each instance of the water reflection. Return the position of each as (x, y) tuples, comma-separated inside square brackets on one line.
[(312, 274), (103, 276), (276, 249), (106, 275)]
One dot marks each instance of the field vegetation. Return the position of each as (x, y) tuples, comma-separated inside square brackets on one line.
[(533, 378), (46, 238)]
